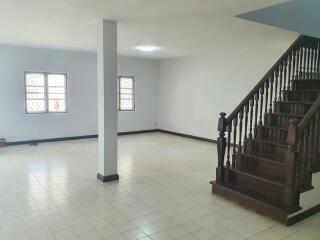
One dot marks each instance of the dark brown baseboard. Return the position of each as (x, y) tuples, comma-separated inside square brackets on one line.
[(137, 132), (301, 216), (188, 136), (109, 178), (37, 141)]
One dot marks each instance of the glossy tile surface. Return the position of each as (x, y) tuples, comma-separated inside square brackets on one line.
[(50, 191)]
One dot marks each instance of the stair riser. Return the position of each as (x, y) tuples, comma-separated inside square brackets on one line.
[(292, 108), (279, 121), (247, 183), (301, 96), (269, 149), (271, 134), (263, 167), (306, 85), (250, 203)]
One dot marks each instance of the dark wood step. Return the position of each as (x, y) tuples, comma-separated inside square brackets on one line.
[(260, 177), (301, 95), (273, 133), (310, 84), (293, 107), (281, 119), (254, 201), (269, 149), (262, 165), (269, 186)]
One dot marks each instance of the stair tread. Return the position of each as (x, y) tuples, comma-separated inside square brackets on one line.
[(302, 91), (265, 199), (264, 158), (297, 80), (297, 102), (288, 114), (271, 142), (276, 128), (262, 177)]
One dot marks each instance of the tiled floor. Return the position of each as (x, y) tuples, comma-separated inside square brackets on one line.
[(51, 192)]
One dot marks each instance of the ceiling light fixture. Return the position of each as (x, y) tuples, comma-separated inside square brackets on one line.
[(147, 48)]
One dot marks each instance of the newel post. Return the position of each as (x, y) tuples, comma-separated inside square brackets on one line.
[(221, 146), (291, 198)]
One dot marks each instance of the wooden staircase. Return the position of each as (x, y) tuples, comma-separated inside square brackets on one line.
[(268, 147)]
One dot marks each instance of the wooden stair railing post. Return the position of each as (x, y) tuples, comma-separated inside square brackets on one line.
[(221, 145), (291, 198)]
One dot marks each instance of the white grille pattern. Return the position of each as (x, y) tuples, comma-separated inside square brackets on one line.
[(35, 92), (45, 92), (126, 94)]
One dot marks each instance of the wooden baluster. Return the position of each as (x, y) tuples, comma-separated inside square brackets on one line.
[(221, 146), (284, 77), (316, 141), (261, 105), (266, 100), (303, 167), (307, 63), (291, 165), (229, 130), (256, 97), (300, 63), (310, 141), (290, 59), (280, 81), (318, 61), (294, 62), (240, 131), (312, 68), (276, 82), (235, 125), (251, 116), (246, 110), (304, 63), (271, 94), (315, 62)]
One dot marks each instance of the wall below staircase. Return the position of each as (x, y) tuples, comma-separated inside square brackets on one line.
[(310, 199)]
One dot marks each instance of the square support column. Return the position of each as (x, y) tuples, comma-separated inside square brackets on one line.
[(107, 101)]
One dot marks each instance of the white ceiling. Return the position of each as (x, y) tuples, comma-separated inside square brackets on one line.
[(180, 27)]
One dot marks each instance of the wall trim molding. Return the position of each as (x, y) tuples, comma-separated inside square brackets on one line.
[(188, 136), (37, 141), (137, 132)]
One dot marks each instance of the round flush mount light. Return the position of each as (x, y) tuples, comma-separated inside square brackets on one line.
[(147, 48)]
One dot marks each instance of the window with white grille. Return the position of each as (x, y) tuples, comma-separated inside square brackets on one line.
[(46, 92), (126, 94)]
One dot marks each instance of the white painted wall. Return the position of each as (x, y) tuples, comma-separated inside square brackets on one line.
[(310, 198), (194, 90), (81, 119)]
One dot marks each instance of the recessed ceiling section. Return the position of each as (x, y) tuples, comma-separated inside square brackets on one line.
[(301, 16)]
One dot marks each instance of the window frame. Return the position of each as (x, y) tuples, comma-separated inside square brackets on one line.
[(133, 94), (46, 94)]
